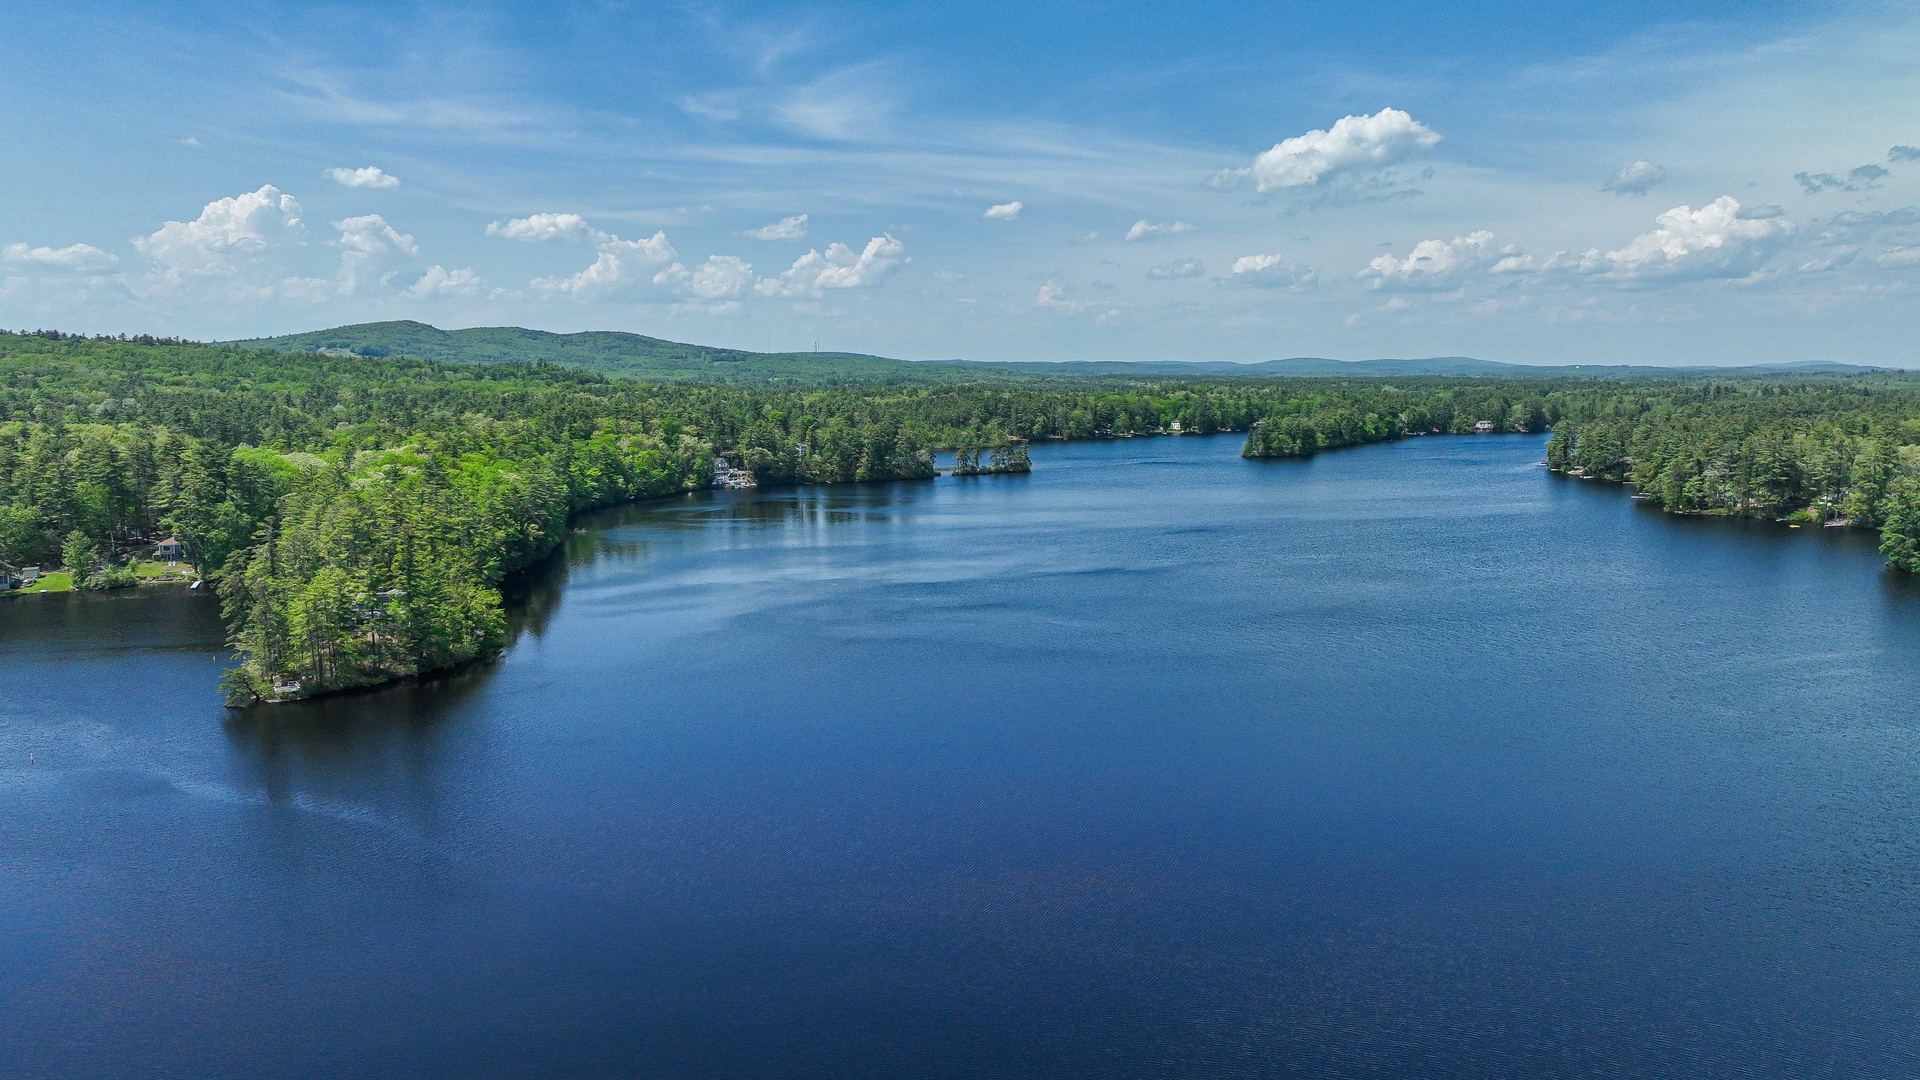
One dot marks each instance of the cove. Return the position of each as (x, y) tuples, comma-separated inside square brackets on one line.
[(1403, 760)]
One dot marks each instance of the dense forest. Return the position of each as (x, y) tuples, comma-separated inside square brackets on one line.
[(357, 514), (1843, 450), (1837, 451), (1349, 415)]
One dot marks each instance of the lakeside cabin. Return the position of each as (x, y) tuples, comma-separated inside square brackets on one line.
[(168, 549), (1484, 427), (726, 476)]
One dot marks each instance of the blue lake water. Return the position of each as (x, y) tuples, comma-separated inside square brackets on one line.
[(1404, 760)]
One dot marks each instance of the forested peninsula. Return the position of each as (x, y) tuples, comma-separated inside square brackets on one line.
[(357, 514), (1842, 450)]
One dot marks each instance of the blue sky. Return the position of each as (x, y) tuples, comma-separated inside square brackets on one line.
[(1631, 182)]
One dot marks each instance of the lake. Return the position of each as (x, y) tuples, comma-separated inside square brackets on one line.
[(1404, 760)]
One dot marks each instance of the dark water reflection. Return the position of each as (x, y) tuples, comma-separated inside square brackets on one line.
[(1404, 761)]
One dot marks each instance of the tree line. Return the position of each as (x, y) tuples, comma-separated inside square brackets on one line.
[(1824, 451), (358, 514)]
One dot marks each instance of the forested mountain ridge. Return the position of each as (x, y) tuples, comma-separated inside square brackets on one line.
[(638, 356), (602, 351)]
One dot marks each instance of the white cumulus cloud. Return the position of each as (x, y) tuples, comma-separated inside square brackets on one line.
[(837, 268), (226, 231), (654, 249), (1271, 272), (369, 248), (439, 281), (1147, 230), (535, 228), (720, 277), (616, 262), (1635, 178), (1354, 144), (603, 276), (1720, 240), (1435, 265), (369, 177), (787, 228), (1052, 294), (1004, 211), (1715, 241), (72, 259)]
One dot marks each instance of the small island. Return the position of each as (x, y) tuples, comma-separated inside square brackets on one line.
[(1000, 459)]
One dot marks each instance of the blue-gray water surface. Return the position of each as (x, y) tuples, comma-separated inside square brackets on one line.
[(1408, 760)]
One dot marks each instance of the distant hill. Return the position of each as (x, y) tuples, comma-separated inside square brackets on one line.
[(605, 351), (1467, 365), (1299, 365), (1426, 367), (638, 356)]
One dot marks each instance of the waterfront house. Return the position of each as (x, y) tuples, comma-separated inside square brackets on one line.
[(168, 549), (1484, 427)]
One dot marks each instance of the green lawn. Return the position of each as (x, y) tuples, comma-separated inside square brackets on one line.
[(159, 571), (149, 572), (58, 581)]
